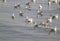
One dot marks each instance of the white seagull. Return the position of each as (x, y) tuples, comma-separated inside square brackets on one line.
[(55, 16), (20, 14), (49, 3), (29, 20), (49, 20), (40, 6), (17, 5), (13, 16), (54, 30)]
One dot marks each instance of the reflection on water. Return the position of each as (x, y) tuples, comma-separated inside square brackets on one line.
[(18, 30)]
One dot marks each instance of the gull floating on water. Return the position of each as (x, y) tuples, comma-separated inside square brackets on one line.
[(39, 13), (54, 30), (28, 6), (29, 20), (20, 14), (36, 25), (49, 20), (17, 6), (41, 25), (40, 6), (13, 16), (49, 3), (55, 16)]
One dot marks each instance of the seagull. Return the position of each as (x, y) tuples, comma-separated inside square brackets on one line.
[(41, 25), (39, 14), (28, 6), (4, 1), (49, 20), (55, 16), (37, 25), (33, 1), (54, 30), (49, 3), (29, 20), (40, 6), (17, 6), (20, 14), (13, 16)]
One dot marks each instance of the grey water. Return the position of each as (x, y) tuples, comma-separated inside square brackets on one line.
[(18, 30)]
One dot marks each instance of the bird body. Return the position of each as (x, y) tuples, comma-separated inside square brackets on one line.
[(17, 6), (33, 1), (53, 30), (13, 16), (4, 1), (29, 20), (20, 14)]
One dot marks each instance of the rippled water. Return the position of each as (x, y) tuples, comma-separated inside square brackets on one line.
[(18, 30)]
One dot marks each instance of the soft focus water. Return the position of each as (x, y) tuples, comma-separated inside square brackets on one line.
[(18, 30)]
